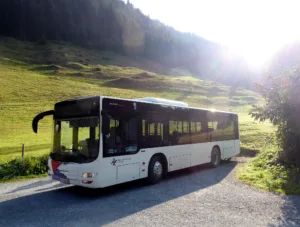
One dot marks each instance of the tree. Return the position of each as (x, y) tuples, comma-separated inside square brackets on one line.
[(282, 108)]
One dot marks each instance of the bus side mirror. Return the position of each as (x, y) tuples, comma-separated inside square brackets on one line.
[(39, 117), (105, 123)]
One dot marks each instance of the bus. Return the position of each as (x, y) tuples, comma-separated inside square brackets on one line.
[(103, 141)]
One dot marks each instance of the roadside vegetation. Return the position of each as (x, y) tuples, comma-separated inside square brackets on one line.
[(266, 172), (23, 168), (277, 167)]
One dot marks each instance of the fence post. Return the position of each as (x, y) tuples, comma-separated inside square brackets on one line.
[(23, 149)]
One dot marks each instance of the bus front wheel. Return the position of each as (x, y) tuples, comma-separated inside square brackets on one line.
[(155, 170), (215, 157)]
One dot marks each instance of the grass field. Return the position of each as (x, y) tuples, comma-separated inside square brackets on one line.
[(34, 77), (264, 172)]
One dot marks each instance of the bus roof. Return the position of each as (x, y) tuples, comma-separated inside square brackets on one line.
[(165, 103), (154, 101)]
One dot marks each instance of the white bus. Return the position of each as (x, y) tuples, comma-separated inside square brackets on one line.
[(103, 141)]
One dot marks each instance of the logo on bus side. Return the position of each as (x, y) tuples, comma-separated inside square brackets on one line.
[(114, 161)]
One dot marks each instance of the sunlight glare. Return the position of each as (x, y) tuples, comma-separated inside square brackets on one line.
[(254, 29)]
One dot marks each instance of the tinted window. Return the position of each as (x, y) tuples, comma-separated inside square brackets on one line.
[(184, 136), (156, 126), (221, 127), (152, 134), (122, 137), (200, 134)]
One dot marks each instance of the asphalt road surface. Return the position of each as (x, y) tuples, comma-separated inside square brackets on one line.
[(198, 197)]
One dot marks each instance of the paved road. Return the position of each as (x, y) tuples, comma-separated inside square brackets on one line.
[(199, 197)]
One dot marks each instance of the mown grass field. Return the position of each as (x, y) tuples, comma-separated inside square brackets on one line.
[(33, 77)]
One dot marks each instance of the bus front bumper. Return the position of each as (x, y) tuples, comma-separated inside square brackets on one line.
[(78, 182)]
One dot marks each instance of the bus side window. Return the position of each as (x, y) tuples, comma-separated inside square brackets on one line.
[(122, 138), (112, 139), (236, 128), (173, 132), (152, 134), (229, 130), (200, 134), (129, 135), (184, 136)]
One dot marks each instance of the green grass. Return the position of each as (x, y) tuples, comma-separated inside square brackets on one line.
[(264, 172), (34, 77)]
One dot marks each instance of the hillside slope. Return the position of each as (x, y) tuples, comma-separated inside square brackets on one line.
[(113, 25), (34, 77)]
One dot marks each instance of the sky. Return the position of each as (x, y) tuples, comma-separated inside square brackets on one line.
[(254, 29)]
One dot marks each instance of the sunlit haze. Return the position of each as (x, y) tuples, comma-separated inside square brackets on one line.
[(253, 29)]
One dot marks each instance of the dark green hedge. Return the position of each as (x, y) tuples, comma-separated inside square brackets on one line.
[(23, 167)]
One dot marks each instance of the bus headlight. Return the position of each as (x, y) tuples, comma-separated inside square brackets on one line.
[(88, 175)]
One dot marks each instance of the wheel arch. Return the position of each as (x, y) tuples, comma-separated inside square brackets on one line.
[(164, 160)]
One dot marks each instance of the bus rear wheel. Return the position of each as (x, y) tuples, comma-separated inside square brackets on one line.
[(155, 170), (215, 157)]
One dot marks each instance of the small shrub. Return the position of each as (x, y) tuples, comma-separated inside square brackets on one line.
[(23, 167)]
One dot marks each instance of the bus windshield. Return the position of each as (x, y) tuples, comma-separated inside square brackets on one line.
[(76, 140)]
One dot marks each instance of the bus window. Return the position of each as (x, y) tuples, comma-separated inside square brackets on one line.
[(186, 127), (217, 131), (144, 129), (193, 127), (151, 128), (236, 128), (152, 134), (198, 126), (200, 134), (122, 137), (229, 131), (184, 136), (175, 127)]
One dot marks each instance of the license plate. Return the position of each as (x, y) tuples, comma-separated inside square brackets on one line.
[(64, 180)]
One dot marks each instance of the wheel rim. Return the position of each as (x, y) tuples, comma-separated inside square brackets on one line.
[(157, 170)]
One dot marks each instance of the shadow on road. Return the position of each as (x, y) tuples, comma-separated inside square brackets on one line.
[(290, 212), (29, 186), (74, 205)]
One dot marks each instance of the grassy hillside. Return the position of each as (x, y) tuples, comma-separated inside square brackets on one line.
[(117, 26), (33, 77)]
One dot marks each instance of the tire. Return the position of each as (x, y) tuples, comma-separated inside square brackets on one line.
[(215, 157), (155, 170)]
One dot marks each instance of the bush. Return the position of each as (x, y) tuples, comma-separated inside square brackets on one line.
[(282, 108), (23, 167)]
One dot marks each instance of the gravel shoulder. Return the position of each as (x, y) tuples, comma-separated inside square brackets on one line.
[(195, 197)]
